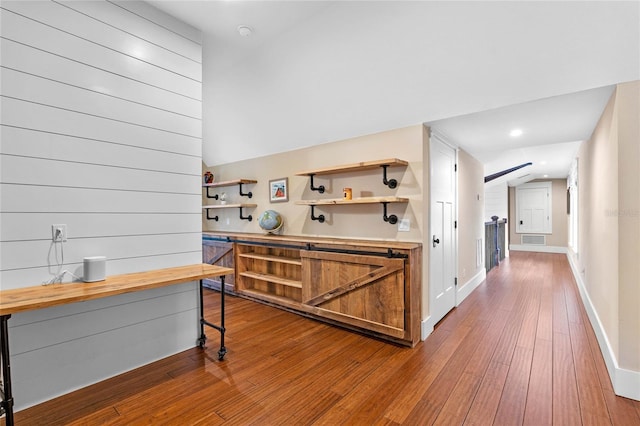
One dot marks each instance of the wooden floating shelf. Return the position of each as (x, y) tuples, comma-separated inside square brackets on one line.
[(272, 279), (363, 200), (270, 258), (229, 206), (238, 182), (228, 183), (392, 219), (365, 165)]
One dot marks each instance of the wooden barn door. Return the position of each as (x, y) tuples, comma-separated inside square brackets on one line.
[(360, 290)]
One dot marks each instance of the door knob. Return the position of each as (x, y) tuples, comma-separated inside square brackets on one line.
[(435, 240)]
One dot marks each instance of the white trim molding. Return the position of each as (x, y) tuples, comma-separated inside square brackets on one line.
[(626, 383), (426, 328), (538, 249), (465, 290)]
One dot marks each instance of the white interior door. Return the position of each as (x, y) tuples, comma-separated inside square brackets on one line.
[(533, 207), (442, 256)]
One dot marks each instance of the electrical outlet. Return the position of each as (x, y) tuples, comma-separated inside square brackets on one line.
[(404, 225), (59, 233)]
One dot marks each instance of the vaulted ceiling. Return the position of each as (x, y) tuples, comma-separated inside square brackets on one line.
[(318, 71)]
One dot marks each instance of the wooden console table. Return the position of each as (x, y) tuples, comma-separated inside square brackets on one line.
[(40, 297)]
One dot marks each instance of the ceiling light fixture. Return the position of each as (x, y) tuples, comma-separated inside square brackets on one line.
[(515, 133), (245, 30)]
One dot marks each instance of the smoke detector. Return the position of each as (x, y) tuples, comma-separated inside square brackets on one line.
[(245, 30)]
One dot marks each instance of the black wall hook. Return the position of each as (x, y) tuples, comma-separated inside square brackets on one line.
[(391, 183), (248, 194), (211, 217), (249, 218), (392, 219), (319, 218), (320, 188)]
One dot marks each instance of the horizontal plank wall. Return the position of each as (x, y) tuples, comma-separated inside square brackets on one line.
[(101, 130)]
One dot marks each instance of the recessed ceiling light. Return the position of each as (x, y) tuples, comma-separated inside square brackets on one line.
[(545, 175), (515, 133), (543, 162), (245, 30)]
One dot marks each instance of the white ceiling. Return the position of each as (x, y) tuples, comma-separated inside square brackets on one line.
[(319, 71), (552, 130), (219, 20)]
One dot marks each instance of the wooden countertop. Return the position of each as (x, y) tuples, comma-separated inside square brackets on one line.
[(38, 297)]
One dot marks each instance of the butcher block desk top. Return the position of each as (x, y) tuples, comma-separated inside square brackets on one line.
[(39, 297)]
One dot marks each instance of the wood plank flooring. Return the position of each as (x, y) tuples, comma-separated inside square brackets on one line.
[(519, 350)]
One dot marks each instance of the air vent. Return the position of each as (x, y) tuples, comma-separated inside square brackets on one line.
[(536, 240)]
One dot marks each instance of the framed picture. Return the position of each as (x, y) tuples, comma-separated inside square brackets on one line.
[(279, 190)]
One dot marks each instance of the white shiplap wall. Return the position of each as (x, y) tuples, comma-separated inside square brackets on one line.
[(100, 130), (496, 201)]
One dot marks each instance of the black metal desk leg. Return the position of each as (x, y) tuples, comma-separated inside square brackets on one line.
[(6, 406), (222, 352), (203, 337)]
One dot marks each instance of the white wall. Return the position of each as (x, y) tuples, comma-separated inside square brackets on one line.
[(101, 131), (361, 67), (496, 201)]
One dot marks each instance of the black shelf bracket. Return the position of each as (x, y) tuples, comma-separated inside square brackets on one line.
[(215, 196), (319, 218), (391, 183), (320, 188), (248, 194), (211, 217), (249, 218), (392, 219)]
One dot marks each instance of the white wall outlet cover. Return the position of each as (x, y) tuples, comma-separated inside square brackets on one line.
[(404, 225), (59, 233)]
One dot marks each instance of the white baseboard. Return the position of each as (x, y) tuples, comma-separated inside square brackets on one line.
[(466, 289), (538, 249), (426, 328), (625, 382)]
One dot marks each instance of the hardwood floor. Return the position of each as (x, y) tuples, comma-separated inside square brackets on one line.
[(519, 350)]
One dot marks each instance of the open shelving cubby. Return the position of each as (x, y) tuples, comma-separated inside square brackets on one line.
[(271, 274)]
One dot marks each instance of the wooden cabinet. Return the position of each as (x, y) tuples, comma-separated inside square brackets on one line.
[(272, 274), (364, 291), (369, 286), (219, 252)]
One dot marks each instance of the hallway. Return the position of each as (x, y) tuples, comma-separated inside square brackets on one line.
[(519, 350)]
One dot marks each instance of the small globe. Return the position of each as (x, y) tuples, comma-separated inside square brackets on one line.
[(270, 221)]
